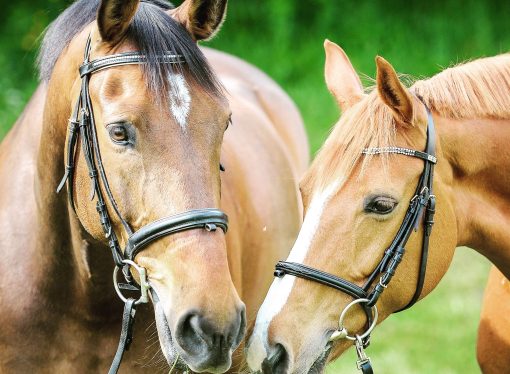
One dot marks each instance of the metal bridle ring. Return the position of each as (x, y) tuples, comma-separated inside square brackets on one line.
[(144, 284), (342, 331)]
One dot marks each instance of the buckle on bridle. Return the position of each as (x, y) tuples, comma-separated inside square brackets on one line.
[(144, 284), (423, 196), (382, 284)]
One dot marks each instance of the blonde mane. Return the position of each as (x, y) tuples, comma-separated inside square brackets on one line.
[(477, 89)]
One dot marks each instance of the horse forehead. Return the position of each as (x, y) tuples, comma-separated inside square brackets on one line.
[(124, 90), (122, 85), (180, 98), (123, 95)]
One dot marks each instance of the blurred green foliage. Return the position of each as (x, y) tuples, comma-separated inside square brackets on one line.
[(21, 25), (284, 38)]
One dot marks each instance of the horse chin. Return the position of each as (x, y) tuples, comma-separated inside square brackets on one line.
[(165, 339)]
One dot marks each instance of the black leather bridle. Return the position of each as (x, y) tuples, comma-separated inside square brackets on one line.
[(82, 126), (421, 210)]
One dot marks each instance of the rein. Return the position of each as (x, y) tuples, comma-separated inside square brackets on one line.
[(82, 127), (421, 210)]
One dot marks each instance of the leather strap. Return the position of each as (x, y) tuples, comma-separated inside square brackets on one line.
[(194, 219), (128, 58), (126, 334), (430, 210), (302, 271), (422, 206), (306, 272), (366, 367)]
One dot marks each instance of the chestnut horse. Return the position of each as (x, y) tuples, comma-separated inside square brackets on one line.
[(493, 346), (160, 129), (358, 190)]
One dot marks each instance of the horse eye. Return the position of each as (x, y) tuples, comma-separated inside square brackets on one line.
[(380, 205), (119, 134)]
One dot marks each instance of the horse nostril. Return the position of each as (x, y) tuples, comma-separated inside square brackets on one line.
[(205, 344), (241, 330), (189, 333), (277, 362)]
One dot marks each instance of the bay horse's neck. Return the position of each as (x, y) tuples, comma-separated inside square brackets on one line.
[(79, 266), (478, 153)]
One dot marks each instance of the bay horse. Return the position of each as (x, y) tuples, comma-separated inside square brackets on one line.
[(396, 156), (161, 108)]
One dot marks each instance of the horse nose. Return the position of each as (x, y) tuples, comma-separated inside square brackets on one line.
[(208, 346), (277, 361)]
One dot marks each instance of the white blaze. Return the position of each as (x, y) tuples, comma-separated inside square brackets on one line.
[(180, 99), (282, 287)]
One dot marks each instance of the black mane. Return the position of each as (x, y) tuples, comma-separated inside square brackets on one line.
[(152, 30)]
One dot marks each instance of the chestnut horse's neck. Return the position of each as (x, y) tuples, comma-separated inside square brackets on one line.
[(477, 152), (82, 267)]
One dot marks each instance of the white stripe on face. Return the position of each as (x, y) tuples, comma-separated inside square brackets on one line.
[(180, 99), (282, 287)]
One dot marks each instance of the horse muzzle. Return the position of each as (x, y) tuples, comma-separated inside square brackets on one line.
[(198, 341)]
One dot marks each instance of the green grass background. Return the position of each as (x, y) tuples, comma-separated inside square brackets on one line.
[(284, 38)]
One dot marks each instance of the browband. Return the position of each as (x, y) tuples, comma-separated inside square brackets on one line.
[(127, 58), (401, 151)]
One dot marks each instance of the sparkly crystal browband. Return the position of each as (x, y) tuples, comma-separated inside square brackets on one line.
[(400, 151)]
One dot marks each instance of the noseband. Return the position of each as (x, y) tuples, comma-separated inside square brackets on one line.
[(421, 210), (82, 126)]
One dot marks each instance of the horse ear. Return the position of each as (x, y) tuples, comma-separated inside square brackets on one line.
[(114, 18), (341, 78), (202, 18), (392, 92)]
